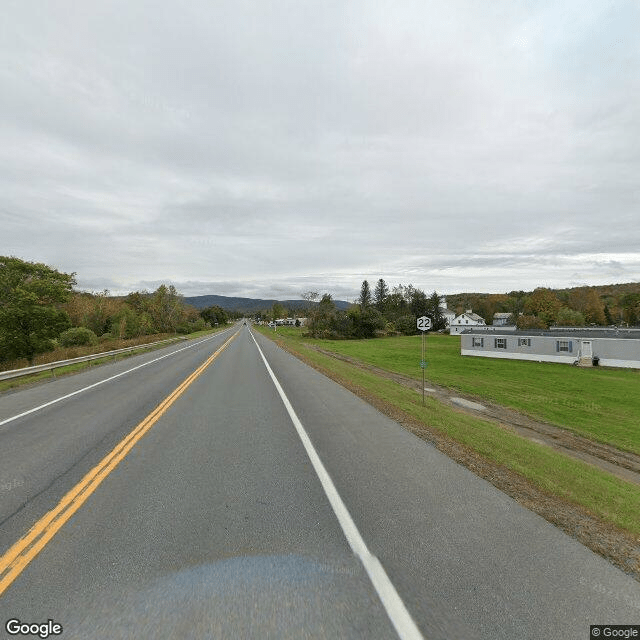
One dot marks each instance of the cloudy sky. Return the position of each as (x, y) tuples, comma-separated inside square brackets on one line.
[(267, 147)]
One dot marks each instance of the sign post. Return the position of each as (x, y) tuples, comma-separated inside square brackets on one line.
[(424, 324)]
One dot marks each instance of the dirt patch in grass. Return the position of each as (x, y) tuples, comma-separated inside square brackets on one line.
[(619, 547), (623, 464)]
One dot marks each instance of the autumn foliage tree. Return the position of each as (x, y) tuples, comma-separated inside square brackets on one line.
[(31, 295), (544, 305), (587, 301)]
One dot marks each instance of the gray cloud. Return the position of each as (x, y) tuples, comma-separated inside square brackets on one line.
[(248, 148)]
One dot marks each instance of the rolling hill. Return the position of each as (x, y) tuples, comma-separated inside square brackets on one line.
[(250, 305)]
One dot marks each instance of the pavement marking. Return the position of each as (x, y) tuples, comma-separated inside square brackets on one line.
[(18, 557), (394, 606), (97, 384)]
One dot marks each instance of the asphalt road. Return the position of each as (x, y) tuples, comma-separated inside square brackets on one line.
[(216, 524)]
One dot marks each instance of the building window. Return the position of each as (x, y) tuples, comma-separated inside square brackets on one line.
[(477, 342), (564, 345), (524, 342), (501, 343)]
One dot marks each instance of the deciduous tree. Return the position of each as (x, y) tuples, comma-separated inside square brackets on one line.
[(569, 318), (30, 314), (543, 304)]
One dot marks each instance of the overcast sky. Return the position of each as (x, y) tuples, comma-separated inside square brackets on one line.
[(264, 148)]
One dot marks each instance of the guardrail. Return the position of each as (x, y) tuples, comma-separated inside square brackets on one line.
[(50, 366)]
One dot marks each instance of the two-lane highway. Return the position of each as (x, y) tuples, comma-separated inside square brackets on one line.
[(214, 520)]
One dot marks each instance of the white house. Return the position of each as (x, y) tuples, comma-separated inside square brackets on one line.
[(447, 314), (465, 321)]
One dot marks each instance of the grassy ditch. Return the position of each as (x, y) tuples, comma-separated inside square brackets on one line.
[(608, 498), (597, 403)]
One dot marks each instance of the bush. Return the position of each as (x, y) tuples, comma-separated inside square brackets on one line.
[(366, 322), (77, 336), (106, 336), (406, 325)]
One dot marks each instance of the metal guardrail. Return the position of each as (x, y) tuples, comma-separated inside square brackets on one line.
[(50, 366)]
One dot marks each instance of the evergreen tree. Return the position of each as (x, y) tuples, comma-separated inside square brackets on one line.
[(380, 295), (438, 322), (419, 304), (365, 296)]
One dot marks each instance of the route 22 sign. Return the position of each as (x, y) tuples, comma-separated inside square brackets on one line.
[(424, 323)]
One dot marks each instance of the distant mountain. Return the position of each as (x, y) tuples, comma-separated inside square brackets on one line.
[(250, 305)]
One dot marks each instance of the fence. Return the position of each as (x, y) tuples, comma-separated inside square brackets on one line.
[(50, 366)]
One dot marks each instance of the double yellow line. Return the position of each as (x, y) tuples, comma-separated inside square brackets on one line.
[(18, 557)]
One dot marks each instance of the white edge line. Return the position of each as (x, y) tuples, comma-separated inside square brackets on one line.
[(97, 384), (394, 606)]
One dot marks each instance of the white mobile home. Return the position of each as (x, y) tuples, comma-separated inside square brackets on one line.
[(606, 347)]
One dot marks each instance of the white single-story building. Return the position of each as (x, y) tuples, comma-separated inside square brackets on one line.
[(606, 347), (290, 322), (465, 321)]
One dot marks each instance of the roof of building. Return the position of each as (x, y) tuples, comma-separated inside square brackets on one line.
[(578, 332), (472, 316), (502, 315)]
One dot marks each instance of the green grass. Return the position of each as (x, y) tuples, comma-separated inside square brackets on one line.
[(598, 403), (609, 498)]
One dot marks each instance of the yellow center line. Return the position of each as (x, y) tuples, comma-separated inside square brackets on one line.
[(17, 558)]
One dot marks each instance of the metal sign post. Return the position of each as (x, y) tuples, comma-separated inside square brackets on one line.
[(424, 324)]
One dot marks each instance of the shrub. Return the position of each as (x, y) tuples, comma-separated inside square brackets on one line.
[(406, 325), (77, 336), (366, 321)]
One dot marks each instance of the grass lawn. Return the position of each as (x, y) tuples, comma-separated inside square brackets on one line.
[(598, 403), (609, 498)]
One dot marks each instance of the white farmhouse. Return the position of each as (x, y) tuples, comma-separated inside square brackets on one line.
[(465, 321), (447, 314)]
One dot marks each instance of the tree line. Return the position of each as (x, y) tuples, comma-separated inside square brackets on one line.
[(40, 310), (378, 312), (544, 307)]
